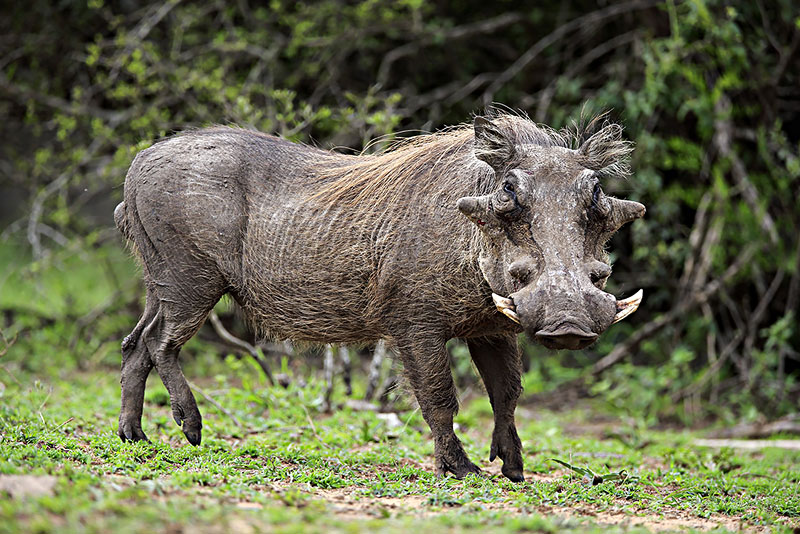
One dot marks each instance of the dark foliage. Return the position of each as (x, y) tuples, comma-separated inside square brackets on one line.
[(708, 91)]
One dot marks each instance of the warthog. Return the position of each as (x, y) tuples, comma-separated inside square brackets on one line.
[(332, 248)]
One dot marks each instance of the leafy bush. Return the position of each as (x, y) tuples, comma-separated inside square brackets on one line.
[(707, 89)]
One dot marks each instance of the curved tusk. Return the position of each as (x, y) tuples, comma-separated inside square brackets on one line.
[(502, 302), (627, 306), (506, 306), (510, 314)]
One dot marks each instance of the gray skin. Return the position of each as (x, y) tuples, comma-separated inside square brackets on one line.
[(328, 248)]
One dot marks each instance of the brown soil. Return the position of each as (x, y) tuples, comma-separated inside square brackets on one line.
[(351, 504)]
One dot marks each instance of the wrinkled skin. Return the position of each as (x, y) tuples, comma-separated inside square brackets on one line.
[(322, 247), (546, 226)]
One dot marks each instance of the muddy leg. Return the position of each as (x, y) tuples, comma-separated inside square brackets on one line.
[(164, 338), (136, 366), (498, 362), (183, 282), (427, 366)]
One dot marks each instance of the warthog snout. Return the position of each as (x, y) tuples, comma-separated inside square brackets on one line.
[(564, 311), (560, 320)]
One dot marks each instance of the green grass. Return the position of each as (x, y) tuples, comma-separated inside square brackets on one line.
[(287, 456), (275, 463)]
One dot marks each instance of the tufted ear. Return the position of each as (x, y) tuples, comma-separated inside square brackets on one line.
[(491, 144), (606, 150)]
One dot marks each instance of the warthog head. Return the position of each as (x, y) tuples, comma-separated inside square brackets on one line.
[(545, 226)]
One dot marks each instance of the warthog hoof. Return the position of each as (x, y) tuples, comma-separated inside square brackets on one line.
[(507, 446), (459, 469), (451, 458), (514, 474), (131, 431), (191, 423), (192, 434)]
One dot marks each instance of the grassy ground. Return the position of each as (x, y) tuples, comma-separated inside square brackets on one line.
[(271, 461)]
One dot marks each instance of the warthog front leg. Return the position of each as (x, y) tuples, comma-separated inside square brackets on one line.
[(427, 366), (498, 362)]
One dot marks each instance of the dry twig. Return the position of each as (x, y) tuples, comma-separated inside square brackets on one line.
[(612, 11), (216, 405), (229, 338), (680, 310)]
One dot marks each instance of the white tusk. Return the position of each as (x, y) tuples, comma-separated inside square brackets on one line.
[(502, 302), (505, 306), (627, 306), (510, 314)]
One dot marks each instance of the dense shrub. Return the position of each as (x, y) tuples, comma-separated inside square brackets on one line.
[(707, 89)]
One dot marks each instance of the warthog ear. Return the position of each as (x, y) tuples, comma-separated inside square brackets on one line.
[(475, 208), (625, 211), (491, 144), (606, 150)]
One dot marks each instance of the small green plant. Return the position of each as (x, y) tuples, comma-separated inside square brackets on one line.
[(590, 477)]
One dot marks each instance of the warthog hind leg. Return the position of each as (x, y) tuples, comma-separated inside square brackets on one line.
[(165, 336), (136, 366)]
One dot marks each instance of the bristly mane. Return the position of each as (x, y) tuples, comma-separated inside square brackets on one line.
[(428, 163)]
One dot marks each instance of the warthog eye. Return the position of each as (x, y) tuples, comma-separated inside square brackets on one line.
[(506, 204), (599, 205)]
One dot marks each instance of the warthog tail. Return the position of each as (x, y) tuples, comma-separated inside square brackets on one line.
[(121, 220)]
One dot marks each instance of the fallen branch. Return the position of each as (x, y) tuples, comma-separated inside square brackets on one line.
[(229, 338), (752, 445), (786, 425), (216, 405), (675, 313)]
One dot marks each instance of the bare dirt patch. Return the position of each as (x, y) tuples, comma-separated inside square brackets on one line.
[(17, 486), (350, 503), (353, 504), (668, 520)]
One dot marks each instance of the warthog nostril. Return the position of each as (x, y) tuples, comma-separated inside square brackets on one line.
[(565, 337)]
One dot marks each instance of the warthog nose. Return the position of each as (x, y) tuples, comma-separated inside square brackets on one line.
[(565, 337)]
